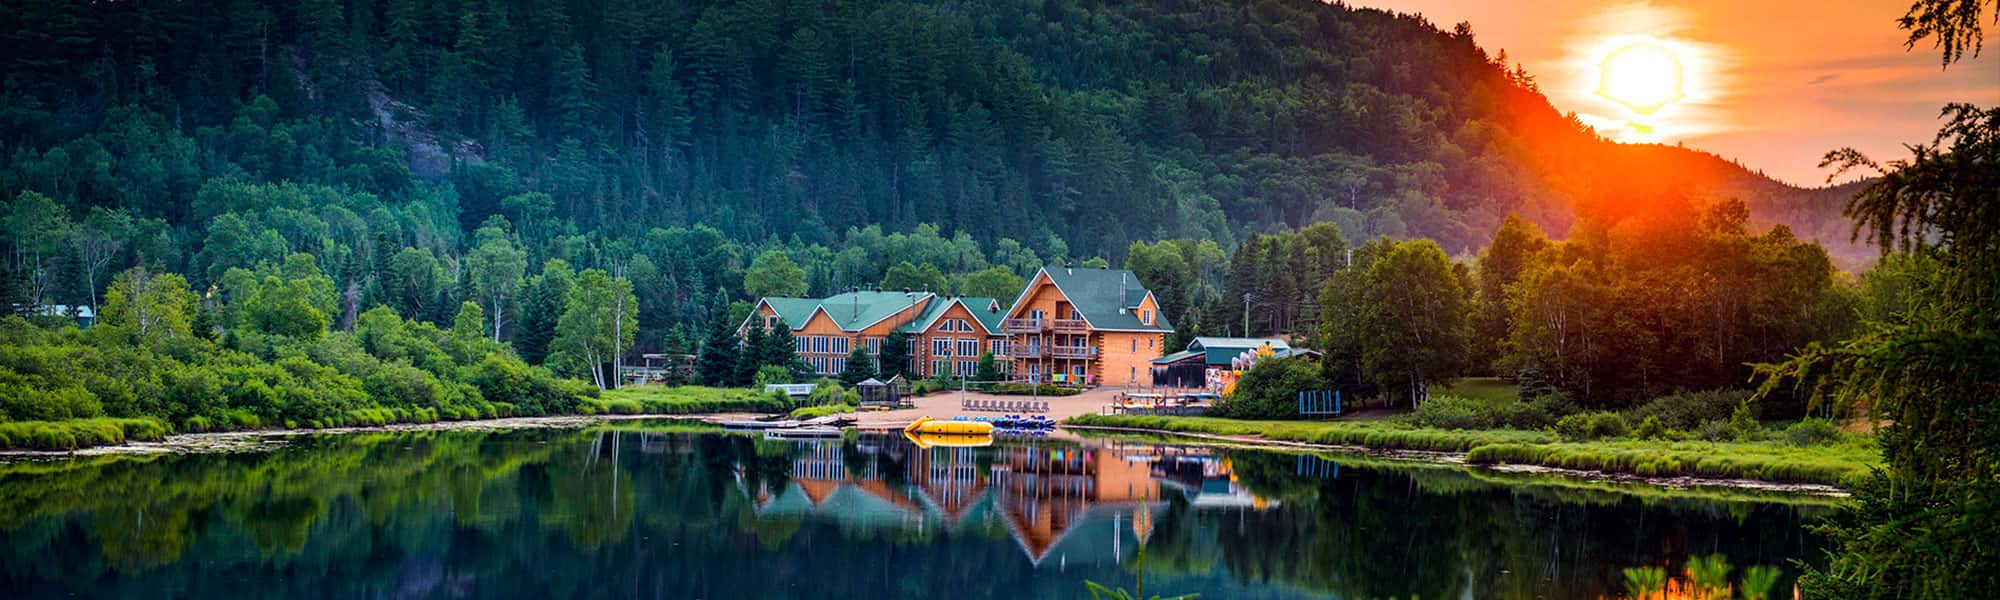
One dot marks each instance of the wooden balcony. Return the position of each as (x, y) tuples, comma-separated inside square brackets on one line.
[(1069, 326), (1023, 325), (1072, 352), (1024, 351)]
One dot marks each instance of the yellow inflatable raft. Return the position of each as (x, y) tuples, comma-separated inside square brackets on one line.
[(949, 440), (927, 425)]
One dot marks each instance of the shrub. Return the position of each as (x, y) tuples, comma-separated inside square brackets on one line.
[(1810, 432), (1649, 429), (1453, 412), (1270, 389), (1590, 426), (771, 374), (1688, 410), (1045, 389), (1541, 412)]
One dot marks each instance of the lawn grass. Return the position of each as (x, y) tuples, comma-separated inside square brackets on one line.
[(811, 412), (686, 399), (1840, 463), (78, 433), (1491, 389)]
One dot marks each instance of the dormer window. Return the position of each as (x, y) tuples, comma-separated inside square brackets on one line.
[(1146, 316)]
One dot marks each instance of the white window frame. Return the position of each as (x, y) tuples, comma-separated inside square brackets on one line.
[(940, 346), (965, 344)]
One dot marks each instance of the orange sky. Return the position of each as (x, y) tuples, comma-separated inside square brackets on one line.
[(1773, 84)]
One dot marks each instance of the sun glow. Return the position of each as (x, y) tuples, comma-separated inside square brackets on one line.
[(1643, 76)]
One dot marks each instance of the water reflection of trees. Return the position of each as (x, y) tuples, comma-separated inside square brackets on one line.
[(538, 512)]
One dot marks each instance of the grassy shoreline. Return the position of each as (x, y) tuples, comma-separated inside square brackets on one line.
[(1837, 464), (79, 434)]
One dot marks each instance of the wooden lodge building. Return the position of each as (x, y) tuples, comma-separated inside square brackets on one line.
[(1069, 326)]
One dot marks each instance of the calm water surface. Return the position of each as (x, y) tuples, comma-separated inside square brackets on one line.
[(661, 513)]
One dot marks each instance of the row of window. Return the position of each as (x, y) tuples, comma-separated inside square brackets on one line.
[(959, 368), (822, 344), (827, 365), (955, 326)]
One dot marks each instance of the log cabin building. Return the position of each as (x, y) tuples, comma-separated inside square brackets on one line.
[(1070, 326)]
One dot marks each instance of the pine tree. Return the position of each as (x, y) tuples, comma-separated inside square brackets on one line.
[(858, 369)]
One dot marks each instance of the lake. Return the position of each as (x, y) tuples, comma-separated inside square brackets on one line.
[(662, 510)]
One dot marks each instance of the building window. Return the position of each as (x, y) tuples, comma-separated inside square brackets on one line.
[(840, 345), (1146, 316), (1135, 344), (939, 367), (770, 321), (968, 346), (835, 365), (966, 368), (799, 344), (997, 347), (940, 346), (874, 346)]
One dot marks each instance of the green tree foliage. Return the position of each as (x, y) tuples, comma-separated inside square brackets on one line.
[(716, 365), (1270, 389), (998, 282), (1929, 372), (542, 305), (599, 319), (150, 306), (773, 274), (494, 268), (925, 278), (895, 357), (1400, 323), (283, 307), (1514, 248), (859, 367), (1675, 300)]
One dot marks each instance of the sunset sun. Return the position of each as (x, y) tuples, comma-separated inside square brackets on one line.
[(1643, 76)]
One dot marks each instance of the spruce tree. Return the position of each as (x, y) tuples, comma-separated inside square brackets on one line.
[(716, 365), (895, 356), (750, 356), (858, 369)]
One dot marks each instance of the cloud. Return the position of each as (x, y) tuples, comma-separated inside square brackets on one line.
[(1823, 79)]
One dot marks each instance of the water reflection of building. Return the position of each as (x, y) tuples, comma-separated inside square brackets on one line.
[(1058, 501)]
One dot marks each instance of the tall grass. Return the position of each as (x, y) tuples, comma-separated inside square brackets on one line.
[(687, 399), (1372, 434), (79, 433), (1842, 464)]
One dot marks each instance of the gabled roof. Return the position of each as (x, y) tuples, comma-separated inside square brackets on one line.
[(980, 308), (852, 311), (1220, 350), (1176, 357), (1104, 297)]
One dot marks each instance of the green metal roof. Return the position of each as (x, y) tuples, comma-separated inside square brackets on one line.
[(1176, 357), (851, 311), (1221, 349), (973, 304), (1103, 295)]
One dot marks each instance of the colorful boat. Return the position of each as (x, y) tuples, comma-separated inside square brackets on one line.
[(949, 440)]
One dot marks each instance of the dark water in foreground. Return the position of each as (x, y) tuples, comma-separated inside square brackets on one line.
[(664, 514)]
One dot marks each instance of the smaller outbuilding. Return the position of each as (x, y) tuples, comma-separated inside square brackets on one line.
[(1205, 357)]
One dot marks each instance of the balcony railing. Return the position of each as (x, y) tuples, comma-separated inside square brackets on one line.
[(1024, 352), (1072, 351), (1070, 325), (1022, 325)]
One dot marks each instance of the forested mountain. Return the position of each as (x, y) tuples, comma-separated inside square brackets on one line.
[(1100, 124)]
